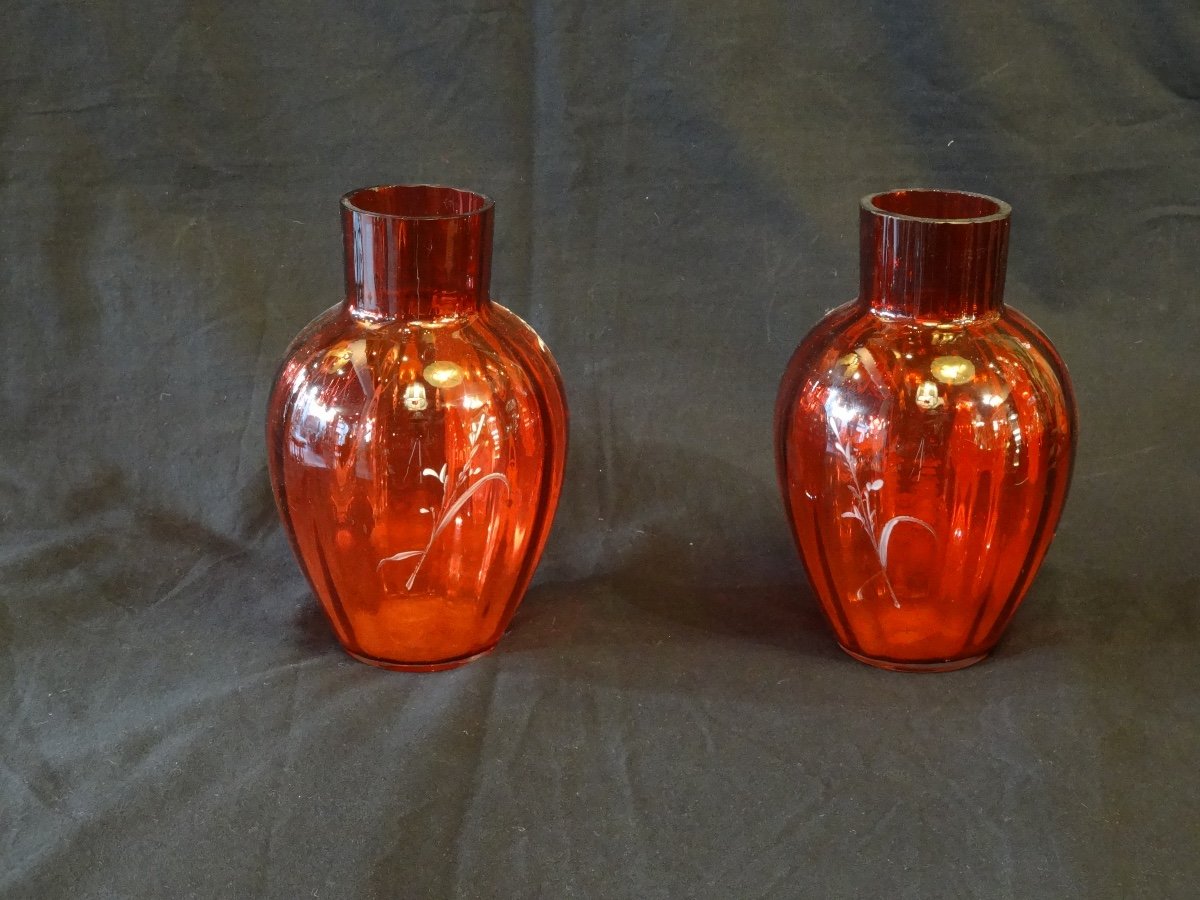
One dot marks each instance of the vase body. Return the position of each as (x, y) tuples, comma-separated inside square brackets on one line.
[(925, 436), (416, 437)]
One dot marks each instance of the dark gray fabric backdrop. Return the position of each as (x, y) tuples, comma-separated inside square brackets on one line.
[(676, 187)]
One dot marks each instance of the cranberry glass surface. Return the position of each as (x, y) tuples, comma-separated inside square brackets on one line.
[(416, 436), (925, 435)]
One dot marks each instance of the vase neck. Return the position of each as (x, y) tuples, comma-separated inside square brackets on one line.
[(416, 251), (934, 256)]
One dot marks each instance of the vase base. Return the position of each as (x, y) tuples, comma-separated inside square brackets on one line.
[(892, 665), (437, 666)]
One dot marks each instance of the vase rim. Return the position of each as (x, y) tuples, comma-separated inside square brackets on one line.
[(976, 208), (479, 203)]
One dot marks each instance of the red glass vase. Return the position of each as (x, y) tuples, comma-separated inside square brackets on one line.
[(924, 439), (416, 436)]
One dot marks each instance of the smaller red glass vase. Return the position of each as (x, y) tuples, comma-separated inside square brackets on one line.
[(416, 436), (924, 437)]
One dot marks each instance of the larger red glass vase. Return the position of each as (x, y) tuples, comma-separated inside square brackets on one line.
[(925, 435), (416, 435)]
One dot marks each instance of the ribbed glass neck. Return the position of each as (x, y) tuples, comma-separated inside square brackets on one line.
[(934, 256), (416, 251)]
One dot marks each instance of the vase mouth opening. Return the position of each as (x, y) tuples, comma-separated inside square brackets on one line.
[(425, 202), (937, 206)]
